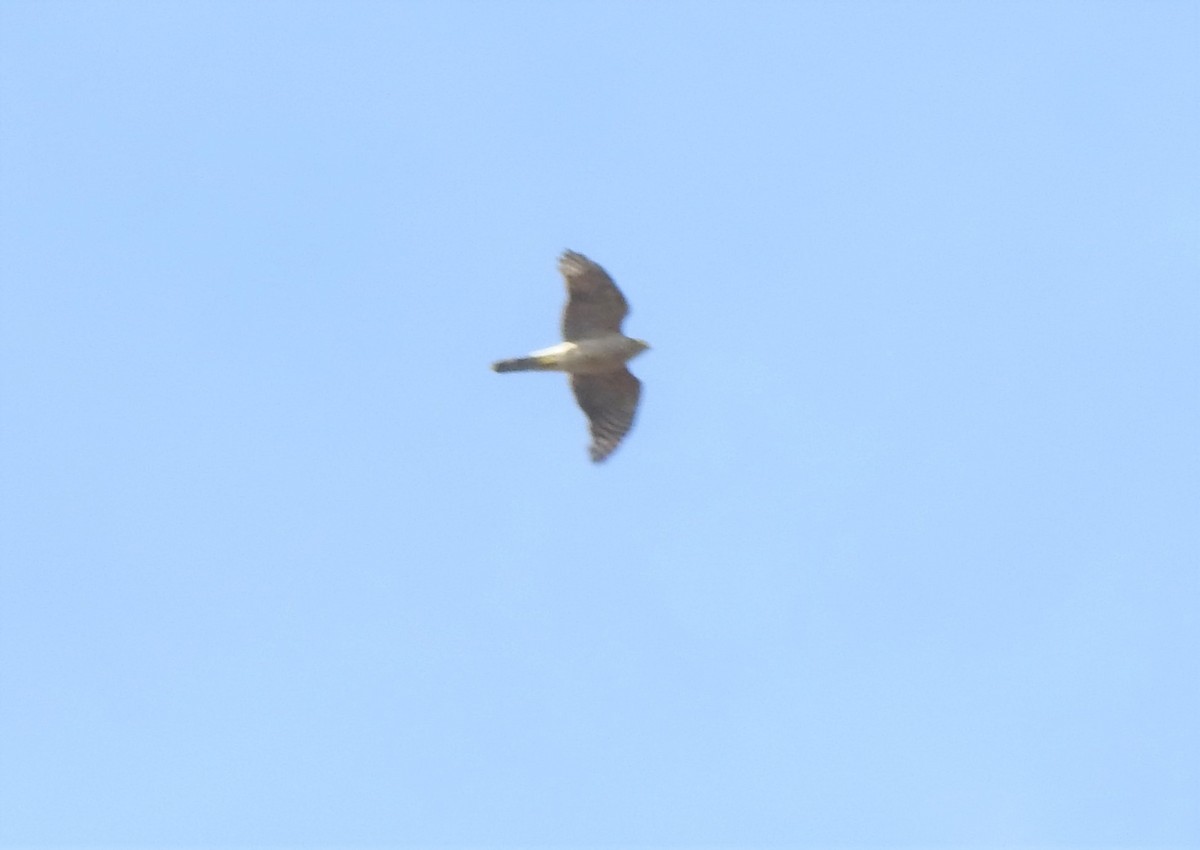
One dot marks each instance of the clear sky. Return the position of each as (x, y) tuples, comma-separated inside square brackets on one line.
[(904, 548)]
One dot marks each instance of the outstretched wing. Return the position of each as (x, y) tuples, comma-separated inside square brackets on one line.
[(595, 307), (610, 400)]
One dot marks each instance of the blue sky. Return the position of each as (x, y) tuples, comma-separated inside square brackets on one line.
[(903, 549)]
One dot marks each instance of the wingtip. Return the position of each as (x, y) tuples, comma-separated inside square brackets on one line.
[(569, 257), (599, 454)]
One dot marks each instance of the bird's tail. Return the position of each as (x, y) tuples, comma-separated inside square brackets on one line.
[(519, 364)]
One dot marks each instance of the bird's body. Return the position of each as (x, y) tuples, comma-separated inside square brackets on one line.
[(594, 352), (586, 357)]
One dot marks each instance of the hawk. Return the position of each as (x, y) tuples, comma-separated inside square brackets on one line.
[(594, 353)]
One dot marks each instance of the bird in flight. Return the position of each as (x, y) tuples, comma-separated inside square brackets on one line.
[(593, 353)]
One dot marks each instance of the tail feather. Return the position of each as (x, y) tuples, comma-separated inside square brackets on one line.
[(517, 364)]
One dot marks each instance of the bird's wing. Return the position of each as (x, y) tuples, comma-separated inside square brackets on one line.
[(595, 307), (610, 400)]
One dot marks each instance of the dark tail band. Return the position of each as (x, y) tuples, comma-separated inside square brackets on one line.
[(517, 364)]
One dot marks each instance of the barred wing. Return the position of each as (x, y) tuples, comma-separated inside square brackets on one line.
[(610, 402), (595, 307)]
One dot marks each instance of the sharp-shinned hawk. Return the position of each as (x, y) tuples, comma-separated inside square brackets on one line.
[(594, 353)]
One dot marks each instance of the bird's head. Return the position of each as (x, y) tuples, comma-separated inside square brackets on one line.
[(638, 346)]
